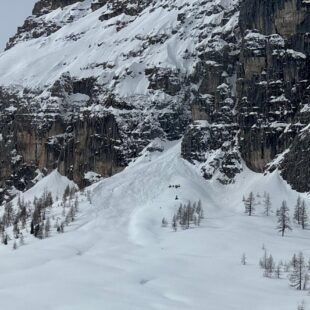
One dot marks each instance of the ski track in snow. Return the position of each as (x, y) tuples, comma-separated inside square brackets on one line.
[(117, 256)]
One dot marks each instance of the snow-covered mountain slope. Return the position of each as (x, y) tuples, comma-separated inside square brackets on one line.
[(86, 85), (117, 256), (123, 46), (90, 84)]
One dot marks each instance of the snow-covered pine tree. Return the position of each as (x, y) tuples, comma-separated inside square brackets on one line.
[(47, 228), (32, 228), (199, 211), (76, 204), (270, 267), (14, 245), (303, 215), (297, 210), (263, 260), (88, 195), (16, 230), (21, 240), (66, 193), (4, 238), (249, 204), (267, 204), (243, 259), (298, 276), (180, 212), (164, 222), (49, 199), (174, 223), (38, 231), (23, 215), (278, 271), (8, 214), (188, 215), (283, 219)]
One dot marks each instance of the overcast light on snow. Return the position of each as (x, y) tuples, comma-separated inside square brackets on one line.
[(12, 15), (91, 90), (116, 256)]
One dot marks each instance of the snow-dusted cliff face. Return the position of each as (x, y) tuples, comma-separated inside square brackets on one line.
[(86, 85)]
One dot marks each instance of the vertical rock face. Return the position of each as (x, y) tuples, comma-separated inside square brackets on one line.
[(273, 81), (285, 17), (89, 143)]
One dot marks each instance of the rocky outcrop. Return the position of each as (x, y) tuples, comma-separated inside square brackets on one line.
[(273, 82), (295, 166), (288, 18), (37, 26), (45, 6), (89, 143), (214, 149)]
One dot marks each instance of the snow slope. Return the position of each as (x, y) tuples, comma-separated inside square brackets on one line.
[(116, 256), (90, 47)]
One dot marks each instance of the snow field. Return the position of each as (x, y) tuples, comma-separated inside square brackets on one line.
[(117, 256)]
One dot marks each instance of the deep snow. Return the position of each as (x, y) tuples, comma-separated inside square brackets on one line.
[(116, 255)]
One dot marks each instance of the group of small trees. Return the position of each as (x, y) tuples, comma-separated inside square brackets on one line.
[(37, 216), (15, 218), (268, 265), (300, 213), (186, 216), (300, 216), (250, 204), (40, 225), (71, 204), (283, 214), (296, 269)]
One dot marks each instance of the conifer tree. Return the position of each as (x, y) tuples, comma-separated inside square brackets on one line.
[(14, 245), (199, 210), (278, 271), (267, 204), (88, 195), (283, 219), (243, 259), (174, 223), (21, 240), (249, 204), (297, 210), (66, 193), (32, 228), (303, 217), (294, 261), (76, 204), (298, 277), (47, 228), (164, 222), (8, 214), (4, 238), (270, 267)]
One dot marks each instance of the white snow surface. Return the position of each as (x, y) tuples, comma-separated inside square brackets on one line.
[(54, 183), (90, 47), (116, 255)]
